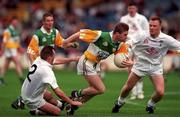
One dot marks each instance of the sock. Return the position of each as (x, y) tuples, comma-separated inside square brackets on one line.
[(22, 101), (121, 100), (151, 103), (59, 104), (1, 80), (35, 112), (80, 92)]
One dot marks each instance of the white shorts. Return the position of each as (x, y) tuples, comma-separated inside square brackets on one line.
[(34, 105), (87, 67), (142, 71), (10, 52)]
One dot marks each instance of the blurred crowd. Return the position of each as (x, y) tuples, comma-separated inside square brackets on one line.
[(72, 15)]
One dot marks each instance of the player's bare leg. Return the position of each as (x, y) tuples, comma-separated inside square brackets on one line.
[(49, 98), (132, 80), (49, 109), (96, 87), (4, 69), (158, 82), (18, 68)]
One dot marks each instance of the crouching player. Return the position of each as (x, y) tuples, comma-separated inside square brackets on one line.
[(34, 89)]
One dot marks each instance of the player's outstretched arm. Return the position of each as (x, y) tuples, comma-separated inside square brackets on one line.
[(71, 39), (62, 60), (63, 96)]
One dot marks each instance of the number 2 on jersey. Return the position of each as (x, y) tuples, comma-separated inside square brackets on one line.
[(34, 66)]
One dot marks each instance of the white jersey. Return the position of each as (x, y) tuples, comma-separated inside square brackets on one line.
[(149, 51), (136, 24), (39, 77)]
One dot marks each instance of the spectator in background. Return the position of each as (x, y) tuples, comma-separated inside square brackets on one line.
[(10, 46), (137, 23), (176, 57)]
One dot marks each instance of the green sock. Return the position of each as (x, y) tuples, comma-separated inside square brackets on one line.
[(80, 92)]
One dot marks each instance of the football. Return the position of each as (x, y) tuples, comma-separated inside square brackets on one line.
[(118, 58)]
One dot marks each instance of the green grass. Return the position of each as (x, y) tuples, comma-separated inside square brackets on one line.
[(101, 105)]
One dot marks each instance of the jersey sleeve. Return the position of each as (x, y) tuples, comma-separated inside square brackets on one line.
[(59, 39), (123, 20), (6, 36), (33, 48), (50, 79), (88, 35), (123, 48), (135, 38), (173, 44), (145, 25)]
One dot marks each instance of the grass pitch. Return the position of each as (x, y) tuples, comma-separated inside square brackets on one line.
[(99, 106)]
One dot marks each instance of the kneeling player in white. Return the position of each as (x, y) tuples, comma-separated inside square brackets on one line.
[(34, 90)]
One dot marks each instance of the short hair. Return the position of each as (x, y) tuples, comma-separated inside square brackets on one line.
[(120, 28), (47, 15), (153, 18), (46, 52), (132, 3)]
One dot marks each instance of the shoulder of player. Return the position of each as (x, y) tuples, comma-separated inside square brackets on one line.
[(45, 70), (124, 17), (141, 16), (6, 31), (165, 36), (37, 31)]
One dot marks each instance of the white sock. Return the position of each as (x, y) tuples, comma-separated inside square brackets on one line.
[(139, 85), (151, 103), (121, 100), (59, 104)]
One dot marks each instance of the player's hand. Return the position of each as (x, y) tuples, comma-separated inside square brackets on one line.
[(128, 62), (65, 44), (74, 45), (76, 103)]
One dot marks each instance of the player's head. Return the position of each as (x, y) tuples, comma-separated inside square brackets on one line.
[(120, 32), (48, 54), (14, 22), (48, 21), (132, 9), (155, 26)]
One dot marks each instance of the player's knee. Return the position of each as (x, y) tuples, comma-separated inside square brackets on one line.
[(101, 90), (160, 93), (48, 96)]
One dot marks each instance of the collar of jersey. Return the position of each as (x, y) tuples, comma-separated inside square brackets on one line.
[(44, 31), (12, 27), (43, 62)]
